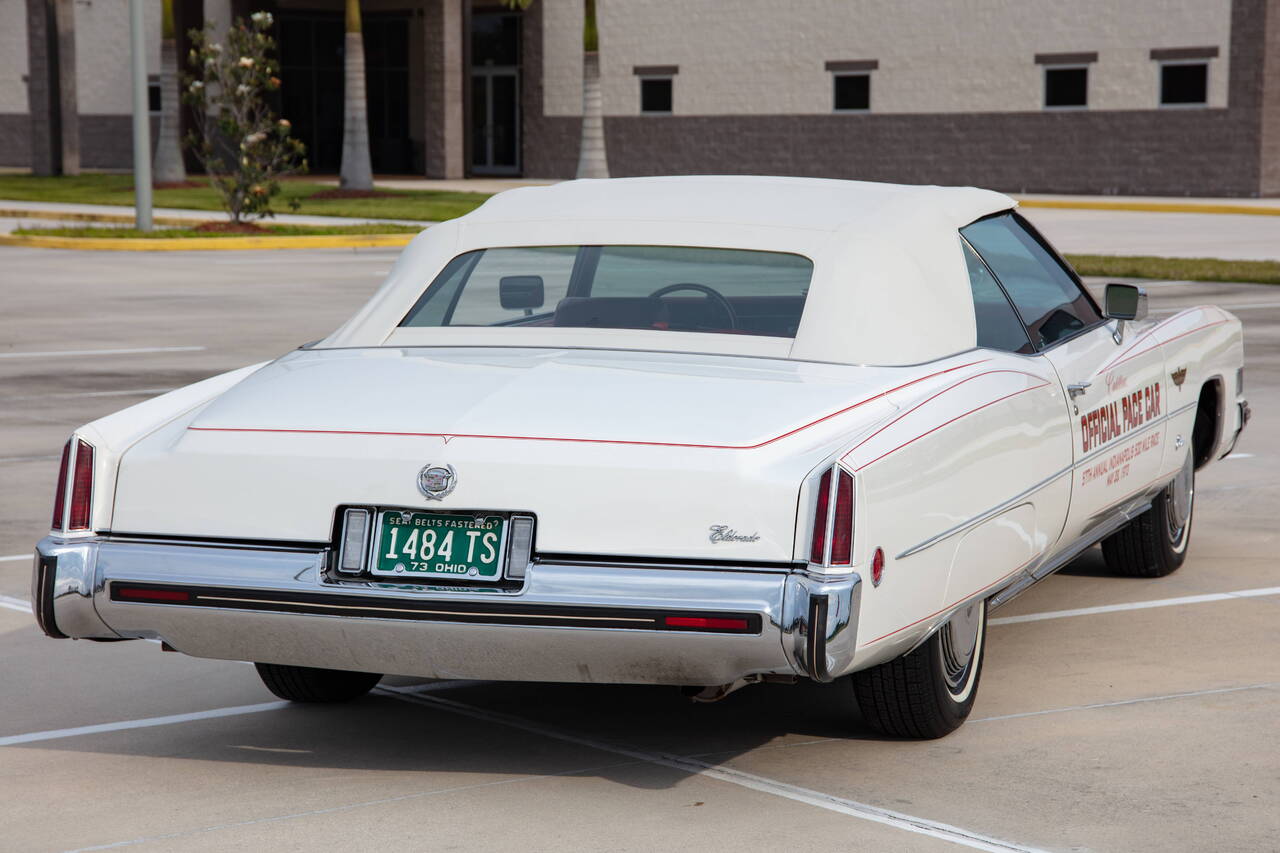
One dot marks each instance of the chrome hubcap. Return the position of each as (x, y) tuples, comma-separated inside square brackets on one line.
[(1178, 499), (959, 641)]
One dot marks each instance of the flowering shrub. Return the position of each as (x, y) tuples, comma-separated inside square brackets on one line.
[(245, 149)]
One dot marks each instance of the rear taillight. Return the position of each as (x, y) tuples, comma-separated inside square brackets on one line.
[(81, 487), (60, 494), (832, 541), (818, 553)]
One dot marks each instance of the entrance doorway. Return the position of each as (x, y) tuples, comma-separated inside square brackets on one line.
[(311, 73), (495, 94)]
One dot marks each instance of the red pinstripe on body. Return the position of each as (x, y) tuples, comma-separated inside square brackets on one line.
[(1125, 356), (451, 435), (953, 604), (927, 400)]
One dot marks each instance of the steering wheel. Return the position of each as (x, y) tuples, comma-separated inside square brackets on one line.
[(711, 293)]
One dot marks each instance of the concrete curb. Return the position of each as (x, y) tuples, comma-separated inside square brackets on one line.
[(188, 244), (1153, 207)]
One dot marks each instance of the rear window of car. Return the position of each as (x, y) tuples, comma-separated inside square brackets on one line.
[(666, 288)]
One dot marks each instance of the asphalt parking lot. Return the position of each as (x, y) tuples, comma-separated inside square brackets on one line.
[(1114, 714)]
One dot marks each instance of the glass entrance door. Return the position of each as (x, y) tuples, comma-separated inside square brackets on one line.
[(495, 121), (495, 94)]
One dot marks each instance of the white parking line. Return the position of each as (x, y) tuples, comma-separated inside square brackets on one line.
[(13, 557), (27, 458), (67, 352), (54, 734), (345, 807), (133, 392), (852, 808), (1137, 605), (15, 604), (1242, 306), (1266, 686)]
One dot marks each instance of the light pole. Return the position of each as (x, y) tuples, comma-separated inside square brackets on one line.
[(141, 120)]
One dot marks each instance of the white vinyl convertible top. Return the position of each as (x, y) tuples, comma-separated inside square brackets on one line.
[(889, 285)]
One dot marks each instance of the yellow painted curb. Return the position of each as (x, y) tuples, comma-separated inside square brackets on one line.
[(1153, 206), (188, 244), (76, 216)]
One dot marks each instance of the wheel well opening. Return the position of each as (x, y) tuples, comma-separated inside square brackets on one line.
[(1204, 435)]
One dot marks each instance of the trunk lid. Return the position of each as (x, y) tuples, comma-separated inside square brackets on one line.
[(618, 453)]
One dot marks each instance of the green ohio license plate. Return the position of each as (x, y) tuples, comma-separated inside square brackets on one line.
[(440, 545)]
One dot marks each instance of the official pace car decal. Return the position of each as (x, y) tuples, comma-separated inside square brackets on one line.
[(1112, 421)]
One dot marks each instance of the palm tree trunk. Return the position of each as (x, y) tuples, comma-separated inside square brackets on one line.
[(168, 168), (592, 162), (357, 171)]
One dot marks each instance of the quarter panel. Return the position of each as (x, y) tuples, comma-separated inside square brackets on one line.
[(961, 449)]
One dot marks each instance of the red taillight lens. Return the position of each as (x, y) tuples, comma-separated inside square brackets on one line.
[(133, 594), (842, 529), (60, 495), (817, 552), (841, 523), (81, 487), (707, 623)]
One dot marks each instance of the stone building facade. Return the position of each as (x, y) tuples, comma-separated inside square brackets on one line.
[(1093, 96)]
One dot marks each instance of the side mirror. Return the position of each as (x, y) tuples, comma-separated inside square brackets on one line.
[(1125, 302), (521, 291)]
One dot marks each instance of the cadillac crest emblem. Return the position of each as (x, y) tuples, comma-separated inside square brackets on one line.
[(437, 481)]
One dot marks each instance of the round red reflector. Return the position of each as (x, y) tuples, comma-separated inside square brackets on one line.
[(877, 567)]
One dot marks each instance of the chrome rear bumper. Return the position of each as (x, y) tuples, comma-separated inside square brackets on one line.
[(569, 622)]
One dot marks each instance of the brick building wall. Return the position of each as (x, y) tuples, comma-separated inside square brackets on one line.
[(782, 122)]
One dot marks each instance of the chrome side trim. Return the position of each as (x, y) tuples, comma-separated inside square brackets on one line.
[(983, 516), (1096, 534), (1001, 507)]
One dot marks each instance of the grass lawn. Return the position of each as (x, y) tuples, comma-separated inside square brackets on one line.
[(1176, 269), (169, 233), (427, 205)]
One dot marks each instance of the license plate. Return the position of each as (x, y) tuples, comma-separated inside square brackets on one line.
[(439, 545)]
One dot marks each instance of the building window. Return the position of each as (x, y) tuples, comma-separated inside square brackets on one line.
[(153, 94), (1184, 75), (656, 87), (1066, 87), (852, 92), (1184, 84), (1066, 79), (851, 84)]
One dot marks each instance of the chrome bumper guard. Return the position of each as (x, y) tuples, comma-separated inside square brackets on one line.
[(576, 622)]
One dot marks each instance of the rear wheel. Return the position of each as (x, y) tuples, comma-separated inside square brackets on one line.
[(1155, 543), (306, 684), (928, 692)]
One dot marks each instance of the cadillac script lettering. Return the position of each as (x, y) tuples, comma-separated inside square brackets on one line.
[(1114, 419), (725, 533)]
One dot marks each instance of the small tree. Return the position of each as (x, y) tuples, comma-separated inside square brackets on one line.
[(245, 149)]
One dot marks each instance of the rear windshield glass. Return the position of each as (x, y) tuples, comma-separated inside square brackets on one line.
[(669, 288)]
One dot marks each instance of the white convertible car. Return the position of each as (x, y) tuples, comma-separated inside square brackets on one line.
[(692, 431)]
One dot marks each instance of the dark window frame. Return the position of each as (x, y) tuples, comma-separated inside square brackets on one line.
[(1044, 84), (835, 98), (1060, 261), (669, 79), (1183, 63)]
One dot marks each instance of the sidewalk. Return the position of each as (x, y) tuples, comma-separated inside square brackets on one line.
[(1166, 204), (15, 214), (1229, 229)]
